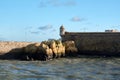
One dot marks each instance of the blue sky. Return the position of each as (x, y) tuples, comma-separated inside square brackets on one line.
[(38, 20)]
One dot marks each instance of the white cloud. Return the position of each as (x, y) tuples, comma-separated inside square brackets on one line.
[(54, 30), (35, 32), (42, 4), (46, 3), (70, 3), (77, 19), (46, 27)]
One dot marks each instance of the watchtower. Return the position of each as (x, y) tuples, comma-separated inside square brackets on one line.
[(62, 30)]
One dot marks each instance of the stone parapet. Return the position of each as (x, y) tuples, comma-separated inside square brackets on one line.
[(103, 42)]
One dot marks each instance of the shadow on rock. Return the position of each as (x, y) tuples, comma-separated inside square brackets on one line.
[(14, 54)]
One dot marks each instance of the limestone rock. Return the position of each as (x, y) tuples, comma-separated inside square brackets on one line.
[(50, 49), (53, 45), (45, 51), (32, 48), (70, 48), (57, 48)]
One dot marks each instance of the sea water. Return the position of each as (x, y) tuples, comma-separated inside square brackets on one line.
[(61, 69)]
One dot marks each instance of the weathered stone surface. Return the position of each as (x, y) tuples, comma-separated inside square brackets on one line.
[(70, 48), (99, 43), (45, 51), (31, 51), (58, 48), (32, 48), (53, 45), (12, 50), (6, 47), (41, 51)]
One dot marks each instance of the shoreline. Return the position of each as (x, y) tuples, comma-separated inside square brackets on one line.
[(46, 50)]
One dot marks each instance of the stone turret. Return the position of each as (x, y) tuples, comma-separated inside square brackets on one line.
[(62, 30)]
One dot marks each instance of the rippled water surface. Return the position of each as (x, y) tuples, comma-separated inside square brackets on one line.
[(61, 69)]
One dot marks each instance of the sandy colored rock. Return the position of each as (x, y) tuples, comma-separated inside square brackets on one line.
[(45, 51), (38, 51), (45, 46), (70, 48), (32, 48), (6, 46), (57, 48), (53, 45)]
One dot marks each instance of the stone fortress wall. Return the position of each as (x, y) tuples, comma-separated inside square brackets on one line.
[(74, 43), (93, 42)]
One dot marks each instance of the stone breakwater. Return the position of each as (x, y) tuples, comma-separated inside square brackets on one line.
[(37, 51), (6, 47)]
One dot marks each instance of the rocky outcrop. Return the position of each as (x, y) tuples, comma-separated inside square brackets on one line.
[(70, 48), (58, 49), (45, 50), (12, 50)]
